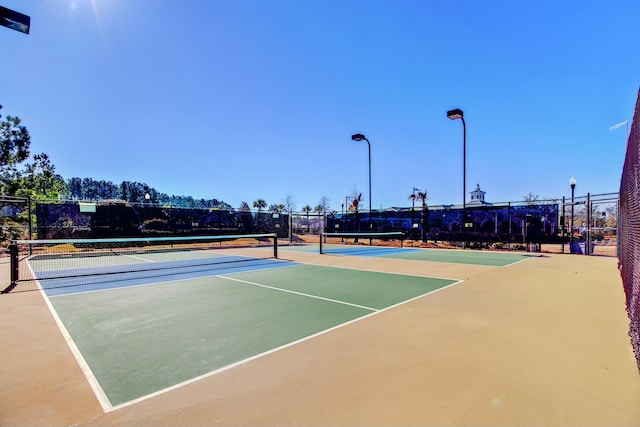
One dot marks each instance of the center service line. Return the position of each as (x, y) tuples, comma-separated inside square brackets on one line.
[(301, 294)]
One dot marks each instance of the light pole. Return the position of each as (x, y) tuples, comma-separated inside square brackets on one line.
[(342, 218), (572, 183), (453, 115), (346, 213), (360, 137), (413, 207)]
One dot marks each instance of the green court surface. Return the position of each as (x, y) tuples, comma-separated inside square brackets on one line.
[(456, 256), (498, 259), (140, 340)]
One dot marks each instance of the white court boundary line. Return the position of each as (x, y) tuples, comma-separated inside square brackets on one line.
[(138, 257), (106, 404), (95, 386), (284, 262), (274, 350), (376, 271), (527, 258), (300, 293), (460, 254), (473, 256), (104, 401)]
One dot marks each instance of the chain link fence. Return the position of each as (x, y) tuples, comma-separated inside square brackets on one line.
[(629, 230)]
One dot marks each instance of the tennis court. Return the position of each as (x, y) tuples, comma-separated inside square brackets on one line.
[(239, 337), (390, 245), (500, 259), (136, 334)]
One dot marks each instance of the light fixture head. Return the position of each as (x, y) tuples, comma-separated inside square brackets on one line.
[(455, 114), (358, 137), (572, 181)]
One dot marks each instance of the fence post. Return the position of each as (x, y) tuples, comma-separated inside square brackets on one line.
[(13, 257), (564, 223), (587, 244)]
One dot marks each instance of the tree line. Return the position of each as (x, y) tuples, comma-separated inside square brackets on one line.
[(36, 178), (135, 192)]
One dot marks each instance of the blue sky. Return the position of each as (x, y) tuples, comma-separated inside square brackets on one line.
[(239, 100)]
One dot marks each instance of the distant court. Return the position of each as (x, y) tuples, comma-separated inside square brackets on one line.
[(499, 259)]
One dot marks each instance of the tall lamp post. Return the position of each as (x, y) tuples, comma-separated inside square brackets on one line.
[(454, 115), (342, 218), (360, 137), (346, 214), (413, 207), (572, 183)]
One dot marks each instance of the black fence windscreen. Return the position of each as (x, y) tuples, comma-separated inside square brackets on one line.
[(97, 220), (535, 223), (14, 219)]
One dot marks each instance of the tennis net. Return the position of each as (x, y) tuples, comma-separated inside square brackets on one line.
[(73, 262), (394, 238)]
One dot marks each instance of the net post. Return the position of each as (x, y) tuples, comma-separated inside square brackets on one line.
[(275, 245), (13, 256), (321, 236), (290, 226)]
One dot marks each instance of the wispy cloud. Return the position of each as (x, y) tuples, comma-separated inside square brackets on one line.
[(617, 125)]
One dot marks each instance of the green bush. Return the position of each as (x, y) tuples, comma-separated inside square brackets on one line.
[(156, 224)]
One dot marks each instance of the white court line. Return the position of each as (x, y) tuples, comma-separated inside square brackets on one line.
[(522, 260), (300, 293), (517, 258), (274, 350), (104, 401), (101, 396), (293, 264), (138, 257), (379, 272)]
